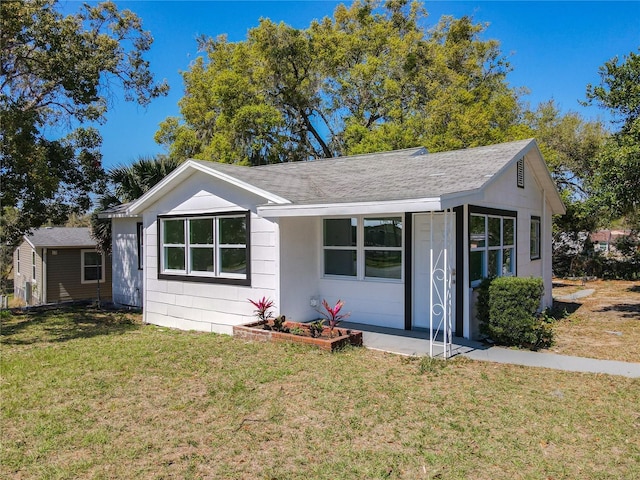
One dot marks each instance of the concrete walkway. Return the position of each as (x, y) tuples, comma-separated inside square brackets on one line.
[(412, 342)]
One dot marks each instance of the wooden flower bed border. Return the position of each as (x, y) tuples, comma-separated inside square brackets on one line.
[(342, 336)]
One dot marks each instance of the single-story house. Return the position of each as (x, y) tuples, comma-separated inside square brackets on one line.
[(59, 264), (403, 237)]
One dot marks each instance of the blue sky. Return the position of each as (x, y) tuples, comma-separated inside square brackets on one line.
[(555, 49)]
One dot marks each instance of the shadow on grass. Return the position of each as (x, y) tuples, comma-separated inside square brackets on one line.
[(559, 308), (627, 310), (634, 289), (63, 324)]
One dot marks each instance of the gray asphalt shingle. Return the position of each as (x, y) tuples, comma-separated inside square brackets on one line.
[(61, 237), (399, 175)]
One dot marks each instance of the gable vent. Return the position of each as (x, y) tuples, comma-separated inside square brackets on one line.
[(521, 173)]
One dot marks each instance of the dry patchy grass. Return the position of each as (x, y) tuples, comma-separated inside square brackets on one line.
[(603, 325), (88, 395)]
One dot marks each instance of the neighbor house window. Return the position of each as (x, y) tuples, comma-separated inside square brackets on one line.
[(140, 238), (535, 238), (212, 246), (18, 261), (92, 265), (492, 241), (33, 265), (363, 247)]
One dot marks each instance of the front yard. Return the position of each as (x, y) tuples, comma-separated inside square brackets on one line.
[(97, 395), (603, 325)]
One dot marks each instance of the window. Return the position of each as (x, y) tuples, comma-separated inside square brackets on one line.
[(340, 246), (140, 238), (363, 247), (492, 241), (534, 238), (33, 265), (92, 264), (208, 247), (18, 261)]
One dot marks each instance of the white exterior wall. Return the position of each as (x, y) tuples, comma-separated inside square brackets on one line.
[(369, 301), (299, 267), (211, 307), (529, 201), (127, 278)]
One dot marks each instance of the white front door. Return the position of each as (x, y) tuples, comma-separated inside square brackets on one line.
[(431, 260)]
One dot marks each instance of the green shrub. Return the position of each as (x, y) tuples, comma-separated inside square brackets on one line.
[(508, 312)]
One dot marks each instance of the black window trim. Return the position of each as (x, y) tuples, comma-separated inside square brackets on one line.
[(219, 280), (539, 239), (501, 213), (139, 236)]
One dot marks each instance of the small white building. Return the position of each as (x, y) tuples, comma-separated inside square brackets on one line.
[(402, 237)]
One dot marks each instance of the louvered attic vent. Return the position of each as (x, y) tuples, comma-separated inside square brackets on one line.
[(521, 173)]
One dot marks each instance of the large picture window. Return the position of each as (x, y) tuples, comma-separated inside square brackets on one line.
[(211, 246), (92, 266), (363, 247), (492, 240)]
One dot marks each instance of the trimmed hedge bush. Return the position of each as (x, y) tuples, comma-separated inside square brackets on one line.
[(508, 312)]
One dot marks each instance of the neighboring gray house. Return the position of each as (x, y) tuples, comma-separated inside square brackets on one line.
[(403, 237), (58, 264)]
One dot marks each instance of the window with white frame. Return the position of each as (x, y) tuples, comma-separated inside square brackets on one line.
[(92, 266), (534, 239), (18, 261), (33, 265), (363, 247), (492, 240), (211, 246)]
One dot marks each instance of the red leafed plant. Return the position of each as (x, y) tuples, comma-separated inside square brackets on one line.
[(333, 315), (262, 308)]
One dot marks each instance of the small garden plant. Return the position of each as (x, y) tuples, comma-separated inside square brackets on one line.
[(332, 314), (262, 308)]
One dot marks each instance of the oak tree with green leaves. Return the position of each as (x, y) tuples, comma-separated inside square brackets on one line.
[(57, 78), (370, 78), (615, 184)]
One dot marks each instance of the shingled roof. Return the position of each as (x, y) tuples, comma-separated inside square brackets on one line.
[(61, 237), (397, 175), (400, 180)]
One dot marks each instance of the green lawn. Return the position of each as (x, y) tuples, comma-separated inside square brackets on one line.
[(97, 395)]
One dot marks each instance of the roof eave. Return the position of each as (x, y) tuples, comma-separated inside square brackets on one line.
[(351, 208), (187, 169)]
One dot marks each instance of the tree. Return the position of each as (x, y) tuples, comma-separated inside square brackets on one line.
[(126, 183), (371, 78), (570, 146), (56, 76), (616, 182)]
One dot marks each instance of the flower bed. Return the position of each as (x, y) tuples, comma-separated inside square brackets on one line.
[(341, 336)]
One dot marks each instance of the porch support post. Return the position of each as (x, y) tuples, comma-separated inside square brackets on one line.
[(431, 280), (466, 319)]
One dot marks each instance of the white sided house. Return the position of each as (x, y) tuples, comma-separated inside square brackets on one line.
[(402, 237)]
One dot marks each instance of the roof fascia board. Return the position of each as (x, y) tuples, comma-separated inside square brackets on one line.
[(271, 197), (360, 208), (138, 205), (118, 215), (183, 172), (551, 190), (26, 239), (521, 153)]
